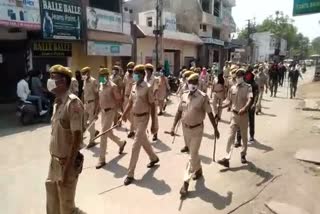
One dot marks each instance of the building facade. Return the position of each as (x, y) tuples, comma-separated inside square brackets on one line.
[(37, 34)]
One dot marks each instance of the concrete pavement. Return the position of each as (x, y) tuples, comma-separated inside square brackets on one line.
[(24, 164)]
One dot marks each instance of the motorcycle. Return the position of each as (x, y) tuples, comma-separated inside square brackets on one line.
[(27, 113), (174, 83)]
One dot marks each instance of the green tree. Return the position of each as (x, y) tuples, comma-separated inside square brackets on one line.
[(315, 46)]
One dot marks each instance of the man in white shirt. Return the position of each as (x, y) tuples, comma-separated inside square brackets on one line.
[(23, 92)]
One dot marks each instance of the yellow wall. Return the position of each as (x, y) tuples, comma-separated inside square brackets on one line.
[(80, 59), (145, 47)]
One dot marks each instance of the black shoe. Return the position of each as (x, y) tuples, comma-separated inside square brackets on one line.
[(184, 189), (160, 113), (96, 133), (128, 181), (198, 174), (122, 147), (243, 159), (237, 145), (184, 150), (100, 165), (155, 137), (91, 144), (131, 134), (224, 162), (164, 107), (152, 163)]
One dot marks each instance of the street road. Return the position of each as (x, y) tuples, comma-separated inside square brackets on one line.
[(280, 131)]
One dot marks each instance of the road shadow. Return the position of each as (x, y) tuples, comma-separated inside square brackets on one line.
[(114, 167), (165, 114), (265, 107), (254, 169), (260, 146), (162, 147), (266, 100), (148, 181), (218, 201), (122, 129), (224, 121), (267, 114), (206, 160), (209, 136)]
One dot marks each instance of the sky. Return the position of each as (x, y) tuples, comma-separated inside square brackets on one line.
[(308, 25)]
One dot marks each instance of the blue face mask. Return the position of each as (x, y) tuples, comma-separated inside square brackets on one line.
[(103, 79), (136, 77)]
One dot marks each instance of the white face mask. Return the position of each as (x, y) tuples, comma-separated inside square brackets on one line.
[(239, 80), (192, 88), (84, 77), (51, 85)]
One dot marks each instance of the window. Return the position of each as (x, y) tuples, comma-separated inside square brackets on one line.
[(206, 6), (204, 28), (215, 33), (110, 5), (149, 21), (217, 8)]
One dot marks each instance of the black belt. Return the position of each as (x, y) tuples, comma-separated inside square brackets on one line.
[(235, 111), (107, 109), (192, 127), (90, 101), (140, 115)]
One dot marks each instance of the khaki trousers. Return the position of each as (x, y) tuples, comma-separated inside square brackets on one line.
[(89, 109), (238, 122), (106, 123), (60, 198), (130, 117), (192, 138), (260, 97), (140, 139), (217, 101)]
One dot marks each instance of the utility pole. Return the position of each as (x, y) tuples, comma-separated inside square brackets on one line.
[(158, 32), (250, 42)]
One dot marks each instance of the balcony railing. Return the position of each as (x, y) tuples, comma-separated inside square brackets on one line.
[(212, 20)]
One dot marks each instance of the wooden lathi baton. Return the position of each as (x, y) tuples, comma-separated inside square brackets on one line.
[(105, 132)]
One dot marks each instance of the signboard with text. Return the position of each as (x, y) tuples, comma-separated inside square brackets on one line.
[(20, 14), (61, 19), (104, 20), (303, 7), (95, 48), (52, 49)]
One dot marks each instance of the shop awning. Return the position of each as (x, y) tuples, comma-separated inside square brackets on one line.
[(144, 31), (109, 37)]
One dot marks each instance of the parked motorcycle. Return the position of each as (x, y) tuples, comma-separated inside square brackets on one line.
[(27, 113), (174, 83)]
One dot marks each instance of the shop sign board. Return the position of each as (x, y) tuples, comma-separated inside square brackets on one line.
[(104, 20), (61, 19), (303, 7), (95, 48), (51, 48)]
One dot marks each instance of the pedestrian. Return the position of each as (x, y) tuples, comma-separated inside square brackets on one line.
[(274, 79), (203, 80), (80, 84), (192, 110), (226, 70), (163, 90), (117, 79), (294, 75), (24, 94), (142, 104), (218, 92), (91, 102), (249, 79), (66, 136), (282, 72), (109, 100), (262, 81), (240, 100), (37, 88), (128, 83), (154, 84)]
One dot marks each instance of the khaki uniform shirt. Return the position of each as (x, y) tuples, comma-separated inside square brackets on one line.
[(118, 81), (90, 89), (109, 95), (141, 97), (74, 86), (194, 107), (261, 79), (128, 83), (239, 95), (66, 118), (226, 71)]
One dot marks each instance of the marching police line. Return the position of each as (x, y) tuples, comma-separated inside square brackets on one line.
[(136, 96)]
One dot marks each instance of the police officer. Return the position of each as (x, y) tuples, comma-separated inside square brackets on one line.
[(218, 92), (192, 111), (141, 103), (116, 78), (262, 82), (154, 84), (294, 75), (128, 83), (91, 101), (184, 83), (240, 100), (66, 137), (109, 99)]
